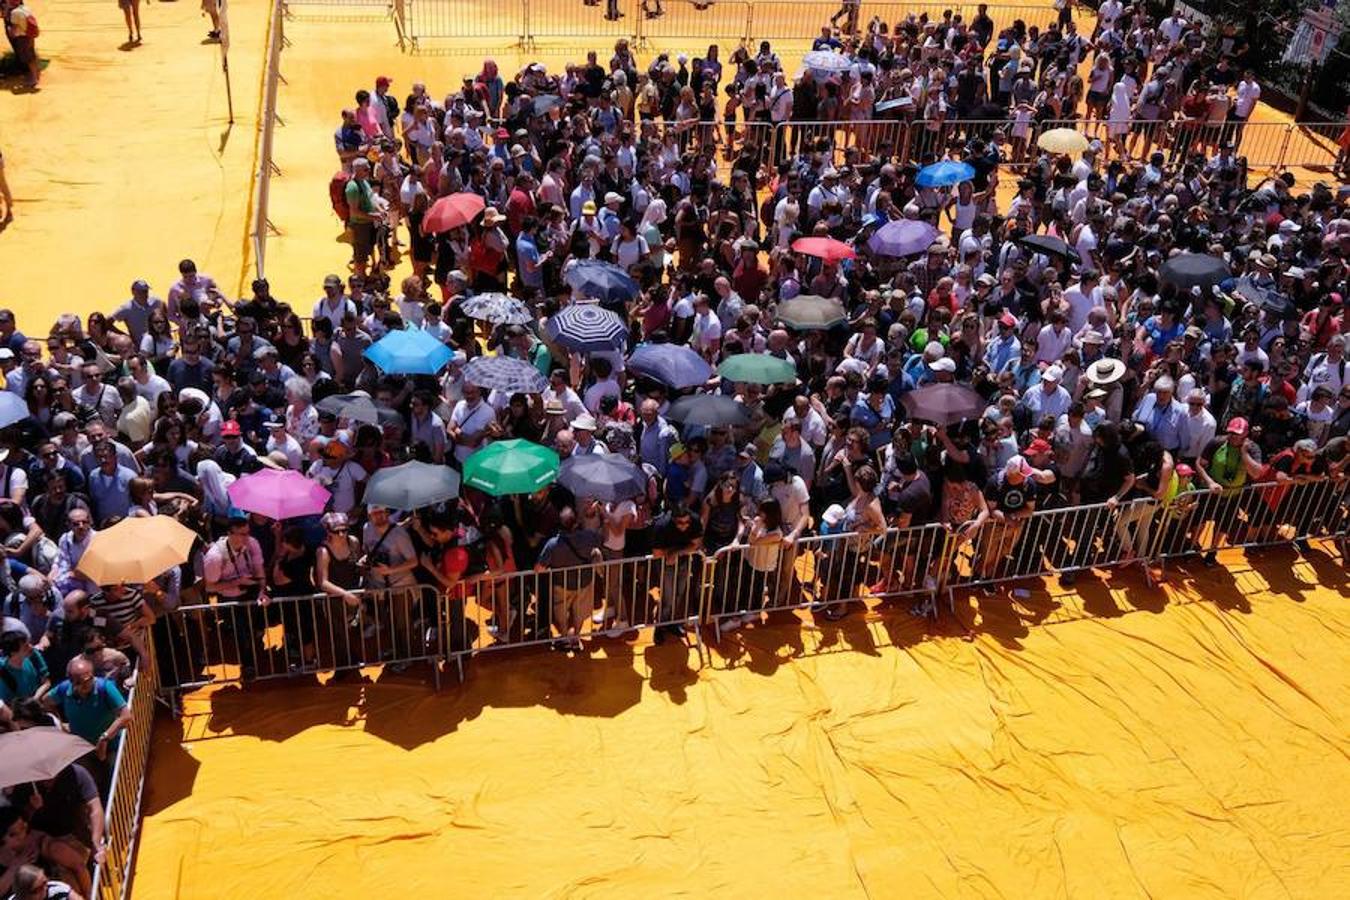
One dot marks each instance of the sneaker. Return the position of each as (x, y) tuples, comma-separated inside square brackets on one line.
[(730, 624), (598, 617), (988, 590)]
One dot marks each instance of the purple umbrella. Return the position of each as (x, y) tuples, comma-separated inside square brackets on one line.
[(278, 494), (903, 237)]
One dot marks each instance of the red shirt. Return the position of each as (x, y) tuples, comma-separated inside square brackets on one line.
[(749, 280), (519, 205)]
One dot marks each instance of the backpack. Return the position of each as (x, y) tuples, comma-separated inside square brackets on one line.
[(337, 194), (33, 29)]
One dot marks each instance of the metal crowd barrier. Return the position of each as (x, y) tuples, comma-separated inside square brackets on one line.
[(561, 606), (122, 811), (235, 641), (824, 571)]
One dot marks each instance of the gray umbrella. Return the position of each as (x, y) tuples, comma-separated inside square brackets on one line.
[(412, 485), (606, 477), (356, 407), (37, 754), (712, 410), (504, 373)]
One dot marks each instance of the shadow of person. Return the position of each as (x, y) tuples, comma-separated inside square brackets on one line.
[(172, 770)]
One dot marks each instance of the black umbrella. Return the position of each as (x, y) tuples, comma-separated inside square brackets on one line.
[(607, 477), (356, 407), (1188, 270), (674, 365), (412, 485), (943, 404), (1050, 246), (709, 410)]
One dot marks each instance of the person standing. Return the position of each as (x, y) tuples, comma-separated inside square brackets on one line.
[(131, 11), (23, 32)]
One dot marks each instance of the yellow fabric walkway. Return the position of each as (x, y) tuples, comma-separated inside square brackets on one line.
[(1119, 742)]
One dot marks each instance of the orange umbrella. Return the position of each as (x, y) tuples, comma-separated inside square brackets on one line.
[(826, 248), (454, 211), (136, 550)]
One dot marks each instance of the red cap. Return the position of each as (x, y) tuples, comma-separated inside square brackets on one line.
[(1184, 471), (1040, 445), (1237, 426), (503, 134), (229, 428), (383, 81), (1007, 319), (1273, 220)]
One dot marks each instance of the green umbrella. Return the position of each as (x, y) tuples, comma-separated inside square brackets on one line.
[(757, 368), (511, 467)]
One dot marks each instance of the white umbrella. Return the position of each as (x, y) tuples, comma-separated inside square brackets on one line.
[(12, 409)]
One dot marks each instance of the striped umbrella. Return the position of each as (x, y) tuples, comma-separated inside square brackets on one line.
[(499, 309), (587, 328), (504, 373)]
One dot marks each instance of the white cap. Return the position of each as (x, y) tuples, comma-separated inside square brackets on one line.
[(1052, 374), (945, 364)]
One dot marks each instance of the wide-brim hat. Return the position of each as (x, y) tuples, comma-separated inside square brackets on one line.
[(1105, 371)]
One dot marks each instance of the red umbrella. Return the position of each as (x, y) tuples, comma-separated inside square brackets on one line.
[(827, 249), (454, 211)]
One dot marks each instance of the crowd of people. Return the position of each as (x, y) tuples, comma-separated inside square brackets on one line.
[(1101, 377)]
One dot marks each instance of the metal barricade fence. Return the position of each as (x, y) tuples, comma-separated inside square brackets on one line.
[(787, 20), (122, 811), (429, 22), (342, 10), (562, 606), (236, 640), (1202, 522), (1051, 542), (823, 571)]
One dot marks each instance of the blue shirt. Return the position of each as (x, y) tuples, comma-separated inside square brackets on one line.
[(111, 494), (528, 252), (89, 716), (30, 673), (1166, 424)]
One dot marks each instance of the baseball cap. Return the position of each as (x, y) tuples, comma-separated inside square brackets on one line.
[(1184, 471), (1040, 445), (140, 284), (612, 197), (1007, 319), (774, 472), (1237, 426), (676, 451), (588, 208), (229, 428), (1052, 374), (945, 364)]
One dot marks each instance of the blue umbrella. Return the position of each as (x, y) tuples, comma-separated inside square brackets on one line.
[(674, 365), (903, 237), (12, 409), (409, 353), (594, 279), (944, 174), (587, 328), (826, 61)]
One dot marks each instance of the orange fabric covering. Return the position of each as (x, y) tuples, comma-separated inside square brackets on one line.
[(1120, 741)]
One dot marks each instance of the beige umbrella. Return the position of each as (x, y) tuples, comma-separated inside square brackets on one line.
[(37, 754), (136, 550), (1062, 140)]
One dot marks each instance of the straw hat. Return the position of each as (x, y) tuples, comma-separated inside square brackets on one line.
[(1105, 371)]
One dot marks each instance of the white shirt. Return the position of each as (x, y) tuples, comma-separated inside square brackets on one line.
[(1198, 433), (1248, 92), (1080, 304), (1051, 344), (472, 421), (599, 391), (707, 329), (152, 388)]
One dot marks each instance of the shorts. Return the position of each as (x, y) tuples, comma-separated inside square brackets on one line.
[(25, 50), (363, 240), (1097, 96)]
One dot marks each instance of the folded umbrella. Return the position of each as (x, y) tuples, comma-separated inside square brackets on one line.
[(1062, 140), (511, 467), (499, 309), (587, 328), (708, 410), (827, 249), (38, 754), (412, 485), (413, 352), (607, 477), (453, 211), (595, 279), (944, 174), (1050, 246), (674, 365), (136, 550), (278, 494), (807, 312), (12, 409), (902, 237), (505, 373), (757, 368), (943, 404)]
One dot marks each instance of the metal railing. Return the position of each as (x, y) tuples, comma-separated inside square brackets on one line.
[(651, 23), (238, 641), (122, 811)]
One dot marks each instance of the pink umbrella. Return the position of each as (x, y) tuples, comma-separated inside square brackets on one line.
[(278, 494), (827, 249)]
